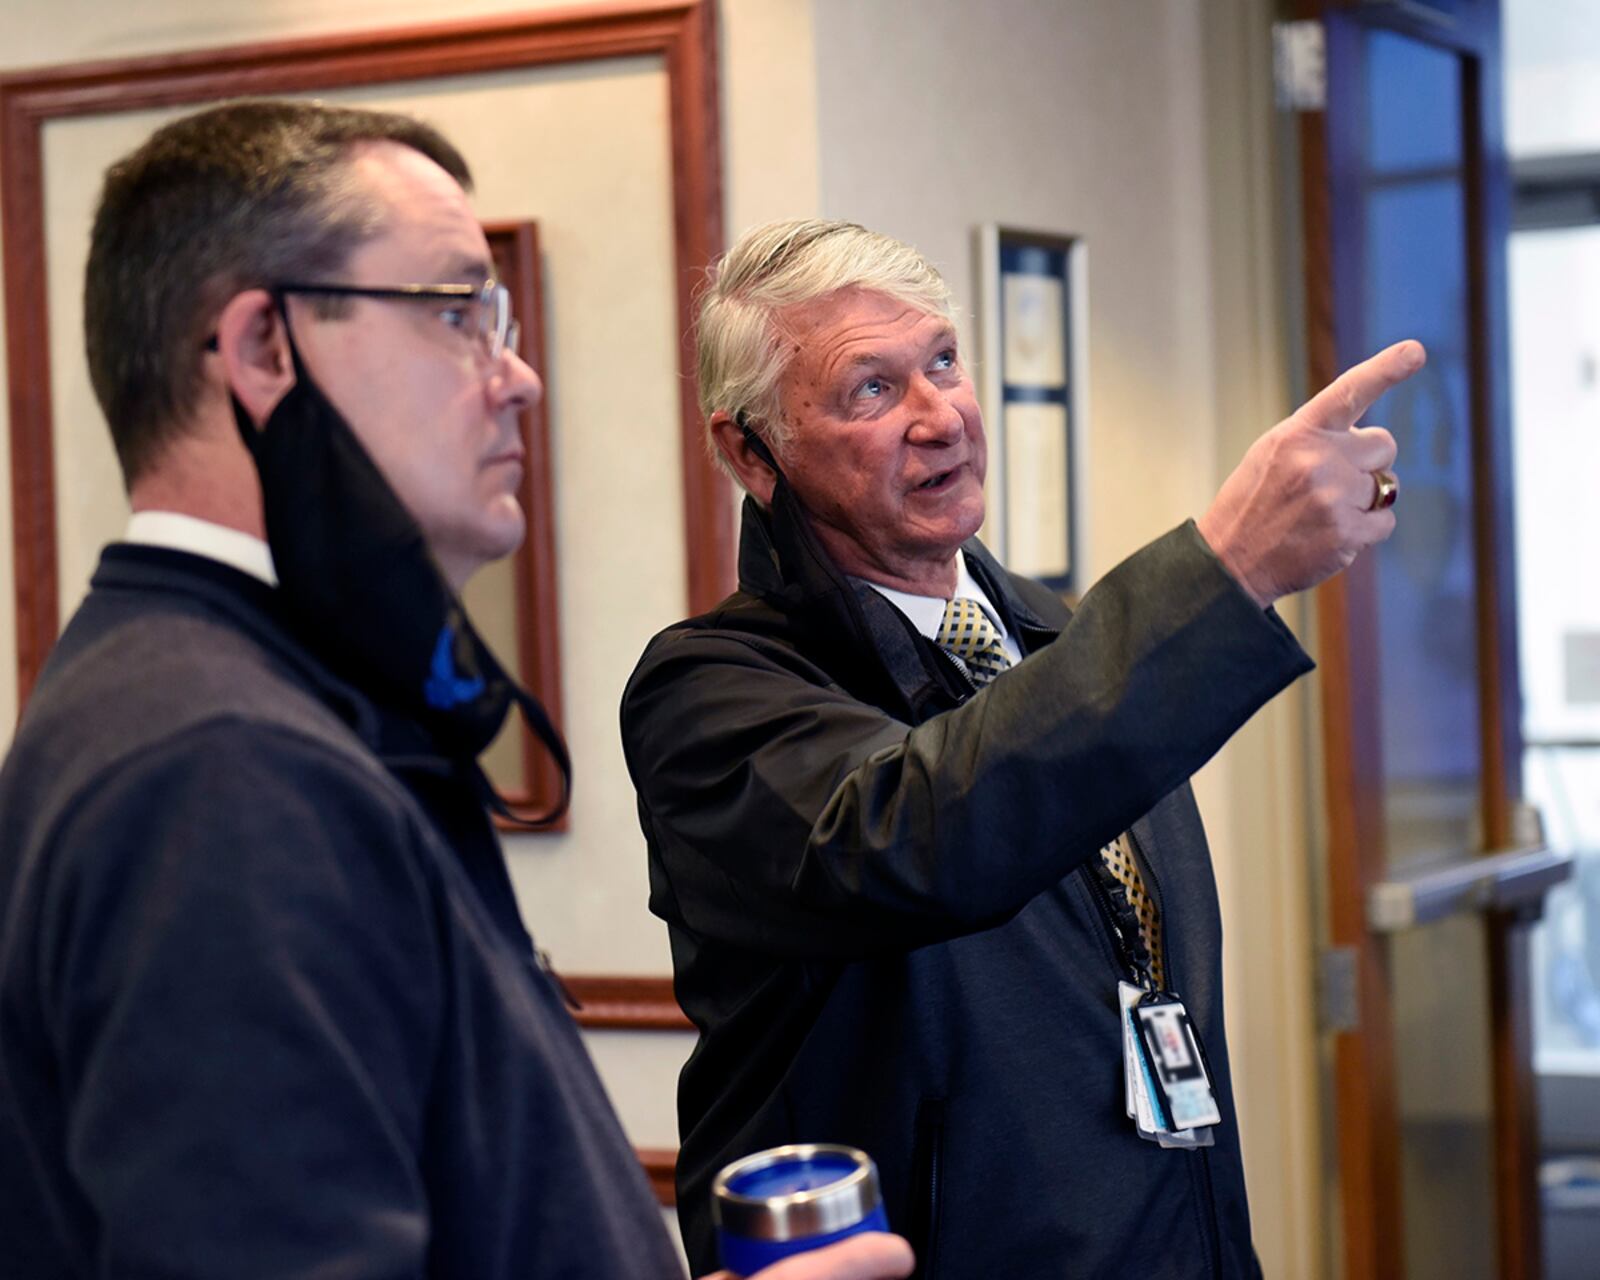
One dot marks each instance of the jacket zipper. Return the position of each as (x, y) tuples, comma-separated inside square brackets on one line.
[(1211, 1207), (930, 1127), (1119, 939), (935, 1173), (957, 666)]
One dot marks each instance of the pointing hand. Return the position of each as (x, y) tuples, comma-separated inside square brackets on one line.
[(1301, 505)]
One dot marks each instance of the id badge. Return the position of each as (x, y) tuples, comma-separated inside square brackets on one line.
[(1136, 1083), (1180, 1087)]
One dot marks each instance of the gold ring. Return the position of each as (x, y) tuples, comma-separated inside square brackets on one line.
[(1386, 488)]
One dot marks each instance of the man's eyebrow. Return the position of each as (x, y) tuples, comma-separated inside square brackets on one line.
[(466, 270), (944, 338)]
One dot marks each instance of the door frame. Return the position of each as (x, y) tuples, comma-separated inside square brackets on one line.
[(1365, 1091)]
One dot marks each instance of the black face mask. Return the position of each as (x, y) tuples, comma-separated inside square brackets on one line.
[(793, 536), (357, 578)]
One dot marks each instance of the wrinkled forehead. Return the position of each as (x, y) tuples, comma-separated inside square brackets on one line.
[(856, 327), (850, 304)]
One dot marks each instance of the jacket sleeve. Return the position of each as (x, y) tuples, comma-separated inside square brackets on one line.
[(237, 964), (787, 817)]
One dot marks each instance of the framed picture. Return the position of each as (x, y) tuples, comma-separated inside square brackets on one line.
[(515, 602), (1031, 367)]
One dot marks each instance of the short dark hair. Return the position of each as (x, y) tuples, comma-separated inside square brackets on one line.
[(235, 197)]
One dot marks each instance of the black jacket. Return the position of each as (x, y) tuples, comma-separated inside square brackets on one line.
[(880, 916), (266, 1005)]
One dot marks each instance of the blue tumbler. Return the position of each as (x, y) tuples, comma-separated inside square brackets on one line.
[(788, 1200)]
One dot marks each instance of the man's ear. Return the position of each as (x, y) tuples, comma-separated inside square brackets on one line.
[(753, 473), (254, 348)]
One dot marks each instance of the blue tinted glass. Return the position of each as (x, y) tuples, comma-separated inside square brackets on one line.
[(1413, 105), (1415, 255), (1416, 262)]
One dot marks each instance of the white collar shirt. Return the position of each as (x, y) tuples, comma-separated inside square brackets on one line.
[(927, 612), (178, 532)]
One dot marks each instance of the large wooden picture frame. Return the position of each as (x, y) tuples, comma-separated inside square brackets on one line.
[(681, 32)]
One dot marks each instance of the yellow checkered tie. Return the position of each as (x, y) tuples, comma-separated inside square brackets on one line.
[(967, 632), (1119, 857)]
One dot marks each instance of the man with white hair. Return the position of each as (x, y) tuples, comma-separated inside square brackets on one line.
[(922, 835)]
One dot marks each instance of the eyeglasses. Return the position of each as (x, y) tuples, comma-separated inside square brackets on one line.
[(481, 312)]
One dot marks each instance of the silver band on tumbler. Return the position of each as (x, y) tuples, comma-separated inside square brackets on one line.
[(800, 1214)]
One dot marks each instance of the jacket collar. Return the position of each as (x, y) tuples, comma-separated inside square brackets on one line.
[(253, 607), (842, 621)]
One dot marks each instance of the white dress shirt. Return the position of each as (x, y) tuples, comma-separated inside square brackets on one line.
[(927, 612), (179, 532)]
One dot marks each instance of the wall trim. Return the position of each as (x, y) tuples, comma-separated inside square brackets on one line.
[(661, 1168), (621, 1002)]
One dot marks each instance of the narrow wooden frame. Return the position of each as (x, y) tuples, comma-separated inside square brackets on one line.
[(682, 32), (1365, 1071), (515, 246)]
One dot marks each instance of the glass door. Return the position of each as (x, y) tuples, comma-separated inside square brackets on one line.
[(1431, 883)]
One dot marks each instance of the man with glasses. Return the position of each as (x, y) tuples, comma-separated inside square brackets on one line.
[(267, 1008)]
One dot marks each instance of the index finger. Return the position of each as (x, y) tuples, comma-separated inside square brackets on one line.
[(1340, 404)]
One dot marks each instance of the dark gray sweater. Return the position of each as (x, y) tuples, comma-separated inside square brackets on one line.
[(266, 1005)]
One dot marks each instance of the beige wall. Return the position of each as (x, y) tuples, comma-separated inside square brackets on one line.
[(1137, 125), (1263, 811)]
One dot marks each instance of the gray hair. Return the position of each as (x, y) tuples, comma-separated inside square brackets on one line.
[(776, 266)]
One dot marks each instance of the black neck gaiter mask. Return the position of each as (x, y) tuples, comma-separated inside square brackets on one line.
[(358, 581), (793, 536)]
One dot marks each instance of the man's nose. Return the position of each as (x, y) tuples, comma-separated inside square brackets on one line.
[(513, 383), (936, 420)]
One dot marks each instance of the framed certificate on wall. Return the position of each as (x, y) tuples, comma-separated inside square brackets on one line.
[(1032, 383)]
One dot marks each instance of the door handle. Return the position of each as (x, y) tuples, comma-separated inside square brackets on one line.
[(1512, 880)]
